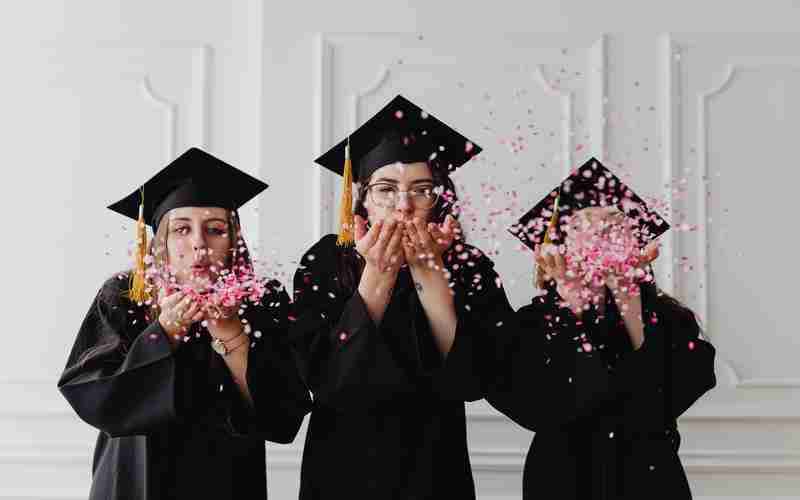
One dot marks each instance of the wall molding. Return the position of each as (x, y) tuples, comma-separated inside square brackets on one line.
[(566, 99), (197, 130), (322, 180), (483, 459), (170, 112), (704, 99), (597, 93), (671, 158)]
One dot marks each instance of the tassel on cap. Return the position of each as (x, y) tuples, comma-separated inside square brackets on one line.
[(346, 229), (550, 226), (137, 289), (553, 222)]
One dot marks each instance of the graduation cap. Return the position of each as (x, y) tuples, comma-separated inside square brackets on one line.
[(591, 185), (194, 179), (401, 132)]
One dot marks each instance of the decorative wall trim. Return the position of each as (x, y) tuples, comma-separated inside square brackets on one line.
[(671, 158), (355, 99), (703, 243), (201, 96), (483, 459), (566, 100), (597, 93), (322, 185), (170, 111)]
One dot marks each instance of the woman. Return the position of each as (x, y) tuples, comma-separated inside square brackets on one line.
[(176, 419), (602, 364), (391, 333)]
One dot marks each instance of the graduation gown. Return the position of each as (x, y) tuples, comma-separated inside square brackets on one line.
[(604, 414), (172, 422), (388, 418)]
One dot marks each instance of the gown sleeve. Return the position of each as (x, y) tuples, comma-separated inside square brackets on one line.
[(344, 358), (544, 377), (550, 374), (673, 359), (123, 376), (482, 310), (280, 398)]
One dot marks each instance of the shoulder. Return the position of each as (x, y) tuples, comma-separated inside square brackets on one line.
[(464, 258), (538, 304), (274, 293), (324, 261), (541, 307), (323, 251), (273, 304), (473, 272), (114, 291)]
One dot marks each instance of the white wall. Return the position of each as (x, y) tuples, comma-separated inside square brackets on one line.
[(95, 96)]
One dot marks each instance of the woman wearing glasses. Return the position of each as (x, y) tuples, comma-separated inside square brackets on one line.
[(391, 321)]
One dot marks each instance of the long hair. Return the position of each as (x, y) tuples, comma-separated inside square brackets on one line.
[(350, 264)]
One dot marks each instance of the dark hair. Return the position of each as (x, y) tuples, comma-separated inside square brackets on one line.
[(350, 264)]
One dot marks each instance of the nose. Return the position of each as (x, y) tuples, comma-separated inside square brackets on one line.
[(199, 241), (403, 204)]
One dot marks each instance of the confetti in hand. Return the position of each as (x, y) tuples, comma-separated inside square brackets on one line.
[(603, 247)]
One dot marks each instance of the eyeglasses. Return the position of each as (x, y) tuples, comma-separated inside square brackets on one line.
[(387, 195)]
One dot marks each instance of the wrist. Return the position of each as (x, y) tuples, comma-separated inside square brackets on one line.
[(226, 329), (427, 267), (171, 330), (373, 280)]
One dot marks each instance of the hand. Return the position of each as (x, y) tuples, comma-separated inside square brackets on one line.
[(380, 246), (636, 273), (424, 244), (444, 235), (178, 313), (576, 290)]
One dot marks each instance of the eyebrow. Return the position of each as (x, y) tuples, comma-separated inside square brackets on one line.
[(187, 219), (394, 181)]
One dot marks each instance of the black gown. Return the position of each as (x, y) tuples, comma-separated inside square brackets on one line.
[(604, 414), (388, 419), (172, 422)]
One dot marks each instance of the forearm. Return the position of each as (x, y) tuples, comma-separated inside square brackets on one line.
[(236, 361), (375, 289), (437, 300), (237, 343)]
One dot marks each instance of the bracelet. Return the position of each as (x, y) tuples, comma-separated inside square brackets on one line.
[(219, 345), (238, 346)]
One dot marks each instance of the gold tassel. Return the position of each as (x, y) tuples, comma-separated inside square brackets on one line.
[(553, 222), (346, 237), (540, 274), (137, 288)]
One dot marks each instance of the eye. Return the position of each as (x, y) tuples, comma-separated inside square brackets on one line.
[(182, 230), (426, 191), (385, 188), (217, 231)]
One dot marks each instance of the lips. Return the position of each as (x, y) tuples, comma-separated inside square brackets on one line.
[(200, 268)]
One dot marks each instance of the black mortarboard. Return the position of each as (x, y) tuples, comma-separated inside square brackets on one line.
[(400, 132), (591, 185), (194, 179)]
